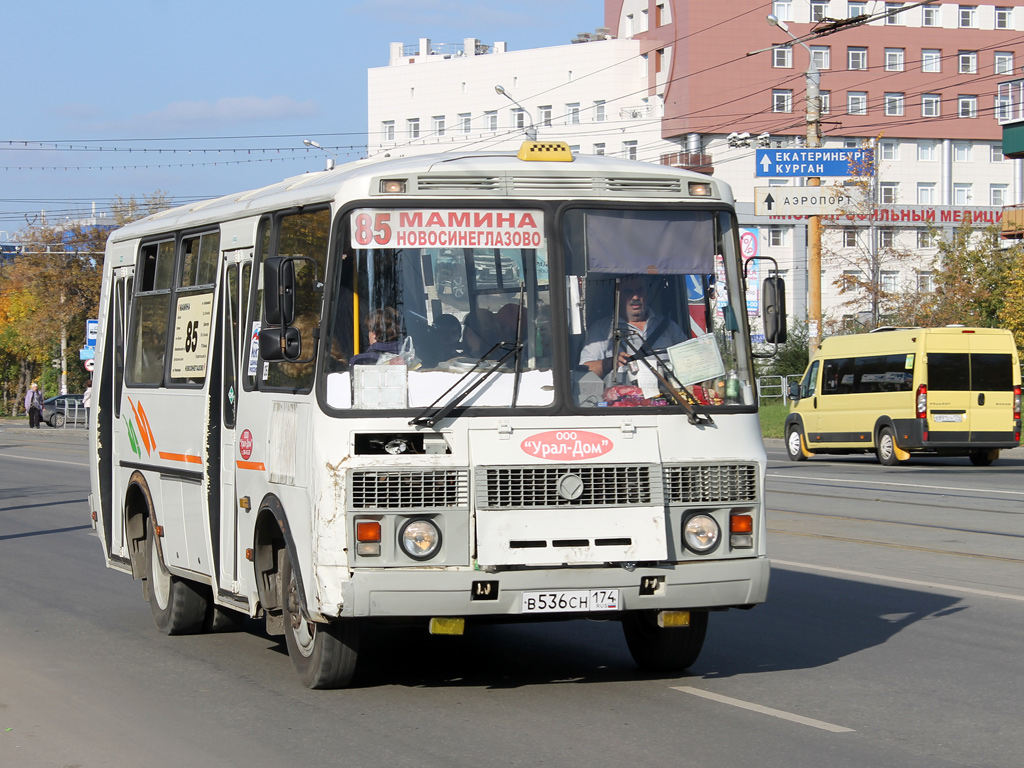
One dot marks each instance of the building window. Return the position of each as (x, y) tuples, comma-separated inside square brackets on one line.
[(519, 119), (930, 16), (894, 59), (849, 237), (662, 14), (968, 15), (852, 143), (783, 9), (465, 122), (1003, 107), (963, 194), (997, 153), (1004, 18), (997, 194), (1004, 63), (968, 62), (967, 106), (782, 57), (821, 55), (927, 150), (888, 192), (857, 102), (856, 58), (856, 9), (782, 100), (599, 112), (962, 151), (545, 115), (893, 16), (885, 238), (889, 280), (439, 125), (776, 237), (412, 127), (572, 113), (931, 60), (599, 149), (387, 130), (926, 193), (491, 120), (925, 280), (819, 9), (825, 101), (890, 149), (629, 150), (894, 104), (930, 105), (644, 26)]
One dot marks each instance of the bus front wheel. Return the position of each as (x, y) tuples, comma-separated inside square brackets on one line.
[(885, 448), (655, 649), (324, 655), (178, 606), (794, 444)]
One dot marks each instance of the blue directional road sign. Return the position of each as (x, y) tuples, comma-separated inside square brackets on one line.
[(817, 161)]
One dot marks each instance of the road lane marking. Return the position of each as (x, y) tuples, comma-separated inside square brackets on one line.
[(882, 482), (898, 580), (48, 461), (783, 715)]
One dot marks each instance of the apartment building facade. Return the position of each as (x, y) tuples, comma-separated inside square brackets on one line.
[(678, 82)]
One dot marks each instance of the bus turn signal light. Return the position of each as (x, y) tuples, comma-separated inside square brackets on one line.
[(741, 531), (368, 538)]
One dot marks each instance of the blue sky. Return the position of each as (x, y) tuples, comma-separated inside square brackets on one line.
[(208, 98)]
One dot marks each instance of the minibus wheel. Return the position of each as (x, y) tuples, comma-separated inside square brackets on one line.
[(980, 458), (178, 605), (794, 444), (885, 448), (324, 655), (655, 649)]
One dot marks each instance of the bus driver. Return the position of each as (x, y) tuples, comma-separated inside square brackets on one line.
[(640, 325)]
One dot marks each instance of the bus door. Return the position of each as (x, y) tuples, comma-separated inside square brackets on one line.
[(949, 390), (991, 395), (114, 432), (234, 449)]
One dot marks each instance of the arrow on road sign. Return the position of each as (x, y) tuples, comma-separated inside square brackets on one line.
[(766, 163), (769, 202)]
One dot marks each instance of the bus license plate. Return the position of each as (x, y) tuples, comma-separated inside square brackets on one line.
[(570, 600), (947, 417)]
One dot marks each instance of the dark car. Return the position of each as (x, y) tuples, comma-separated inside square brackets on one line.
[(63, 409)]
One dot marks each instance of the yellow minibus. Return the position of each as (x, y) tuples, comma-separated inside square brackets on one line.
[(951, 391)]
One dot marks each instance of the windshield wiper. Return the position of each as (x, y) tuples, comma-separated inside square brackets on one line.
[(429, 417), (640, 354)]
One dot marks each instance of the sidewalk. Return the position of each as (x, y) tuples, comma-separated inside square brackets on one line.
[(19, 425)]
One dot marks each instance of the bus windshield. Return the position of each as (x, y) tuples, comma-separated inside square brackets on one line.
[(649, 306)]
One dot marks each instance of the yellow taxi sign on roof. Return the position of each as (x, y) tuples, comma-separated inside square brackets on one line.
[(545, 151)]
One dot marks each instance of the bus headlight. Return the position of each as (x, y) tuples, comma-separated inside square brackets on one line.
[(701, 533), (420, 539)]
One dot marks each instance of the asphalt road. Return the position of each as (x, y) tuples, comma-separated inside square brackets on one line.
[(891, 637)]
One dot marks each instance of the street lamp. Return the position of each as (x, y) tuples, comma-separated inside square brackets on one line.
[(329, 164), (814, 224), (531, 131)]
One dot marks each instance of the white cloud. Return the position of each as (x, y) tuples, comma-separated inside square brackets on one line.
[(226, 111)]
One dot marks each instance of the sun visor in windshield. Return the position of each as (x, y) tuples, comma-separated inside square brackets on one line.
[(652, 242)]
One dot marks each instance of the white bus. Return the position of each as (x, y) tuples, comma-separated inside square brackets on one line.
[(394, 392)]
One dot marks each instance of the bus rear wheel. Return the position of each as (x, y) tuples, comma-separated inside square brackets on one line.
[(980, 458), (655, 649), (885, 448), (324, 655), (178, 605)]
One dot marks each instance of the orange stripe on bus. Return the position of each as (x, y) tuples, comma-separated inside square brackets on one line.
[(184, 457), (250, 465), (143, 432), (145, 422)]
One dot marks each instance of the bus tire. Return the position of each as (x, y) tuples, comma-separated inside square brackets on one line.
[(980, 458), (885, 448), (178, 605), (655, 649), (794, 444), (324, 655)]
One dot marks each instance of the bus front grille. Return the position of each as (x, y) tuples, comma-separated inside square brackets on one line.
[(409, 489), (567, 486), (711, 483)]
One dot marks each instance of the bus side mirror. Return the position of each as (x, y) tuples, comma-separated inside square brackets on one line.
[(794, 390), (280, 343), (279, 290), (773, 303)]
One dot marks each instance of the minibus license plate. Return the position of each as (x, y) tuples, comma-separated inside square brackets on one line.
[(948, 417), (569, 600)]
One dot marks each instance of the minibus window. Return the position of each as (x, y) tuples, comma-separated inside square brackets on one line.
[(948, 372), (991, 372)]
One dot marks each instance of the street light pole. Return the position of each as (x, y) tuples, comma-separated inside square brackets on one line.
[(814, 223)]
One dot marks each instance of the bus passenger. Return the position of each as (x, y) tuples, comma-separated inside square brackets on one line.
[(641, 326), (384, 329)]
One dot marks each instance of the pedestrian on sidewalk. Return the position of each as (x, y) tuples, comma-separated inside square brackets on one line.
[(34, 406)]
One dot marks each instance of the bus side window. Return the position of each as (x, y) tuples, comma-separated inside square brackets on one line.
[(810, 381), (150, 310)]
